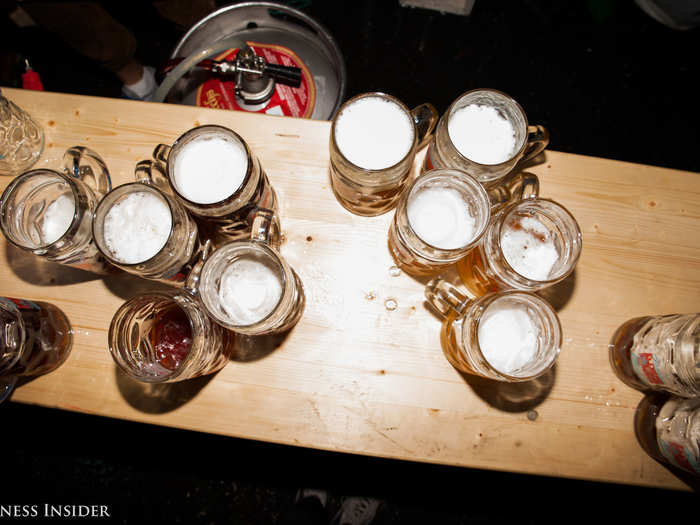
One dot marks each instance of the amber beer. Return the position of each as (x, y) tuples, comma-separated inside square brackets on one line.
[(529, 245), (476, 274)]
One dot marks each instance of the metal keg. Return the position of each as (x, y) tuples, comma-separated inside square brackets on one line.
[(223, 61)]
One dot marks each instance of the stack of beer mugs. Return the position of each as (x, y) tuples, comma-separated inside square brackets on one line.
[(471, 206), (201, 216)]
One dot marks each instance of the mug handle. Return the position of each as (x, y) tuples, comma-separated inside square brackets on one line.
[(521, 186), (161, 153), (537, 141), (151, 172), (425, 117), (445, 298), (192, 281), (265, 227), (87, 166)]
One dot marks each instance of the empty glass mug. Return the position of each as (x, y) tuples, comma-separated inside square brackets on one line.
[(162, 337), (49, 212), (529, 245), (145, 231), (36, 339), (508, 336), (373, 142), (443, 214), (21, 139), (248, 287), (485, 133), (213, 173)]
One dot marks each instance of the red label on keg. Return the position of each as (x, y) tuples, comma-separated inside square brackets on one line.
[(285, 101)]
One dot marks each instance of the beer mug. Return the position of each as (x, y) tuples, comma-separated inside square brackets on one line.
[(162, 337), (145, 231), (508, 336), (529, 245), (248, 287), (21, 138), (485, 133), (36, 337), (213, 173), (49, 212), (373, 142), (444, 213)]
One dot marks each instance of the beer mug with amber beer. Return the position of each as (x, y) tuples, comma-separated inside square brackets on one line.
[(508, 336), (374, 139), (485, 133), (443, 214), (529, 245)]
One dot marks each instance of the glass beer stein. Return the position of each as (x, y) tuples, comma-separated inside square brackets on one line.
[(443, 214), (659, 352), (21, 139), (36, 339), (49, 212), (508, 336), (213, 173), (145, 231), (529, 245), (248, 287), (373, 142), (485, 133), (161, 337)]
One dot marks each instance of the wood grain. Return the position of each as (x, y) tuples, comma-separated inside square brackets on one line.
[(354, 376)]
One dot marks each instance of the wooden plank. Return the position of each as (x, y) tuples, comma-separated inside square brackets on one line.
[(355, 376)]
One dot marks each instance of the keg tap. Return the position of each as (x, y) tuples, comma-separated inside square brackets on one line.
[(254, 78)]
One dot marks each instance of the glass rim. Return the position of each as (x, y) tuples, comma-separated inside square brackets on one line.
[(232, 247), (165, 296), (98, 240), (502, 95), (471, 181), (213, 129), (22, 178), (520, 295), (376, 94), (509, 209)]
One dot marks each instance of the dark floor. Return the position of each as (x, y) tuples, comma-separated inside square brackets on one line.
[(602, 76)]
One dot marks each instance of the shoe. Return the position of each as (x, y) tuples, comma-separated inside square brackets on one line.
[(144, 89), (356, 511)]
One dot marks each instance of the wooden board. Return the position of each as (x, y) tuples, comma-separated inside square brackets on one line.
[(355, 376)]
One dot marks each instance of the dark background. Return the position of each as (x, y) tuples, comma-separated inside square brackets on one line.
[(606, 80)]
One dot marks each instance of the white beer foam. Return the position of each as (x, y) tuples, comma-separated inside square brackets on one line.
[(440, 217), (481, 134), (508, 337), (249, 291), (209, 169), (529, 249), (57, 218), (137, 227), (374, 133)]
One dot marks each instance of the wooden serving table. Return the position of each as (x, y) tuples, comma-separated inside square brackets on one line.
[(363, 372)]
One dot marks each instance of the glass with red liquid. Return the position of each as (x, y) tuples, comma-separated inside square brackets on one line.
[(36, 339), (166, 336)]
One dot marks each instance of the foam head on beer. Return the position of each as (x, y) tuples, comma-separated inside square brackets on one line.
[(529, 248), (482, 134), (250, 290), (441, 217), (137, 227), (508, 336), (209, 168), (374, 133), (57, 218)]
